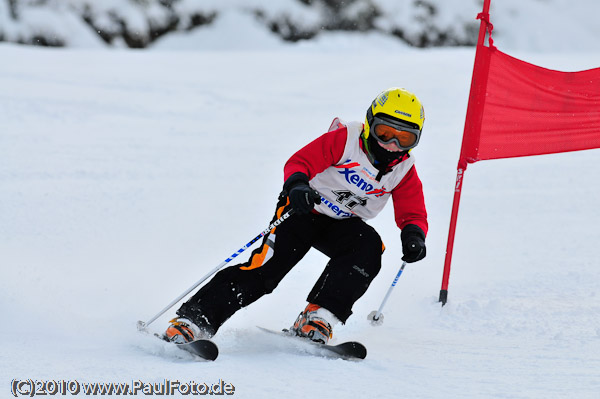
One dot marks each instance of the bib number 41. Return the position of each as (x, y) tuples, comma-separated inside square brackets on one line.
[(349, 199)]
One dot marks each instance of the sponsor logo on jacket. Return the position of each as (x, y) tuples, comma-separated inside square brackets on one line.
[(354, 178), (335, 208)]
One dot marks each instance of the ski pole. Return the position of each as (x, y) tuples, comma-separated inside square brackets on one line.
[(141, 325), (376, 317)]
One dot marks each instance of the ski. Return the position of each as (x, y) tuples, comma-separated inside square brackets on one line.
[(350, 350), (203, 348)]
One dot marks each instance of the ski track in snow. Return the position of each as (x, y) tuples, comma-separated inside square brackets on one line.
[(126, 176)]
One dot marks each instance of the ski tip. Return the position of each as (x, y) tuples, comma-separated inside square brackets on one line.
[(360, 351), (350, 350), (211, 351), (204, 348)]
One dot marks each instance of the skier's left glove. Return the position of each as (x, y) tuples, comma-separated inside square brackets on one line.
[(302, 197), (413, 243)]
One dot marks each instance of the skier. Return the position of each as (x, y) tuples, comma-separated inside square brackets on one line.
[(332, 184)]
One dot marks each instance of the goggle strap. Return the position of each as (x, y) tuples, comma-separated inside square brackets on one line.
[(370, 117)]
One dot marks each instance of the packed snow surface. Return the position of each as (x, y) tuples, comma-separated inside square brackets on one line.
[(126, 176)]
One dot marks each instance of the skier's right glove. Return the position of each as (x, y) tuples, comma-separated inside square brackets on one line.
[(302, 197)]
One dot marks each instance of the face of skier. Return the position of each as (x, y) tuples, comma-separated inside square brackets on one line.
[(394, 136)]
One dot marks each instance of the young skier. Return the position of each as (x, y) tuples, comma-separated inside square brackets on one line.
[(332, 184)]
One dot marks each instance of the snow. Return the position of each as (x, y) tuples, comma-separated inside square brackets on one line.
[(125, 176), (532, 25)]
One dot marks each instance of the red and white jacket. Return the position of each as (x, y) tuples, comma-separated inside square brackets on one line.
[(339, 169)]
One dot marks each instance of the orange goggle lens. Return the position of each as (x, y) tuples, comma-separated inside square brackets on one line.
[(387, 133)]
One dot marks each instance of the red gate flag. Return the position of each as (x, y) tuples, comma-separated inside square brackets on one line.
[(518, 109), (528, 110)]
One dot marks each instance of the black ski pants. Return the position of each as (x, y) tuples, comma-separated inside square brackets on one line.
[(354, 249)]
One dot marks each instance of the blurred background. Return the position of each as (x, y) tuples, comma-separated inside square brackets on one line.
[(522, 25)]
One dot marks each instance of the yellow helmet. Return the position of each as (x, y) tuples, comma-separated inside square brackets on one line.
[(396, 105)]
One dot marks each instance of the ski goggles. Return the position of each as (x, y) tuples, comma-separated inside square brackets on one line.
[(395, 136)]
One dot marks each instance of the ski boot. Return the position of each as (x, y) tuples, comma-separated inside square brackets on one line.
[(182, 331), (312, 324)]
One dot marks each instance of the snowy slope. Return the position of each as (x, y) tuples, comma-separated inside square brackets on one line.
[(126, 176)]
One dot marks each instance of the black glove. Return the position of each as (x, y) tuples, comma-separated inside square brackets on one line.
[(302, 197), (413, 243)]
